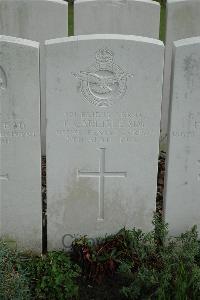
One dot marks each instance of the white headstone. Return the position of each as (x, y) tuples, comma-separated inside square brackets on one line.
[(183, 166), (139, 17), (36, 20), (183, 21), (103, 116), (20, 164)]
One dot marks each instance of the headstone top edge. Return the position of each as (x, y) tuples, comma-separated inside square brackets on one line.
[(181, 1), (53, 1), (20, 41), (105, 37), (150, 2), (187, 42), (57, 1)]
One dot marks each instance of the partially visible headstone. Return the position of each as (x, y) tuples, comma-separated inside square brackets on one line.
[(103, 116), (20, 160), (183, 21), (183, 165), (138, 17), (38, 20)]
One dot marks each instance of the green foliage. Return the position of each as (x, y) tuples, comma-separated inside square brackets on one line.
[(70, 17), (54, 276), (151, 265), (126, 248), (13, 278), (175, 274), (128, 265)]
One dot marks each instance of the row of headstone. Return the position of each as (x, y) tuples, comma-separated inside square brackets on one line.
[(46, 19), (102, 147), (98, 138), (102, 136), (33, 20)]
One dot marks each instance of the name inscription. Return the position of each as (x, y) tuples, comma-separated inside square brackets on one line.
[(103, 127)]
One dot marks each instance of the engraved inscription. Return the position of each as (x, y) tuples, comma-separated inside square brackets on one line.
[(104, 82), (3, 79), (101, 174), (13, 129), (104, 127), (189, 126)]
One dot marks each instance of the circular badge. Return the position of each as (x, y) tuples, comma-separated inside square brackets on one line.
[(104, 82)]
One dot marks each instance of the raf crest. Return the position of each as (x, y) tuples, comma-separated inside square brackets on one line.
[(104, 82)]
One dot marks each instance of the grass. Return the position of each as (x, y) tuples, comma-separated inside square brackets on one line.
[(70, 19), (162, 22)]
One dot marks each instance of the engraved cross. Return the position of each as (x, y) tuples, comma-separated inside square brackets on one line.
[(101, 174)]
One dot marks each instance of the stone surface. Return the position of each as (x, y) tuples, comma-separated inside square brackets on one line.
[(182, 22), (36, 20), (183, 166), (103, 117), (20, 164), (139, 17)]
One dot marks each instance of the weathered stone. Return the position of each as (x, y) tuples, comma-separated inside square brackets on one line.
[(183, 165), (34, 20), (103, 117), (20, 164), (182, 22), (139, 17)]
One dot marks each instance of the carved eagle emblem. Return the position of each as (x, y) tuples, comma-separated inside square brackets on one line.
[(104, 82)]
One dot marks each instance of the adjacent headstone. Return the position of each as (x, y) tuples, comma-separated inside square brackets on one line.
[(38, 21), (138, 17), (182, 22), (103, 117), (183, 166), (20, 164)]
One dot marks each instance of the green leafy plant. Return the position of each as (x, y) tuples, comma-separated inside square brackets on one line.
[(14, 283), (54, 276), (174, 272), (104, 257), (151, 265), (128, 265)]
